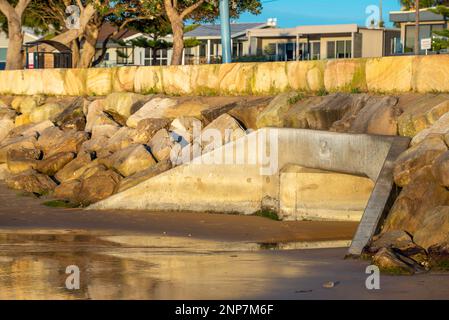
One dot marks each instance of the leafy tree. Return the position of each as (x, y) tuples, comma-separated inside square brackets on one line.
[(178, 11), (13, 11), (442, 40)]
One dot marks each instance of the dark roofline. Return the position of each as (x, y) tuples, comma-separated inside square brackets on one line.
[(409, 16)]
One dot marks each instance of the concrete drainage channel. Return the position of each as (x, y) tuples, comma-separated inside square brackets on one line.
[(290, 171)]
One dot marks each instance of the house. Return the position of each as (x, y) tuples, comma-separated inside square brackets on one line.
[(208, 51), (429, 22), (322, 42), (28, 36)]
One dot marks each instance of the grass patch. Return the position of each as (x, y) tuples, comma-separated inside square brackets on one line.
[(268, 215), (442, 265), (59, 204), (322, 92), (298, 97)]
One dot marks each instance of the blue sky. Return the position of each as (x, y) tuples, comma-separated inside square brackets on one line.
[(291, 13)]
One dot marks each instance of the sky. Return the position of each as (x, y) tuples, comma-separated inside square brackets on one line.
[(292, 13)]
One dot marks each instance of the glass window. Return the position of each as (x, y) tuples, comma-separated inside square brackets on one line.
[(348, 49), (3, 52), (341, 49), (316, 50), (331, 49)]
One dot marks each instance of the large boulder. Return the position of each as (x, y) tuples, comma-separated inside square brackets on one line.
[(15, 143), (224, 127), (396, 239), (247, 112), (52, 164), (54, 140), (74, 169), (48, 111), (439, 128), (130, 160), (21, 159), (154, 108), (440, 169), (391, 262), (144, 175), (421, 112), (7, 114), (417, 157), (416, 199), (125, 137), (73, 116), (185, 129), (32, 129), (379, 116), (68, 191), (273, 115), (31, 181), (121, 105), (5, 127), (434, 230), (439, 256), (97, 187), (27, 104), (161, 145), (147, 128)]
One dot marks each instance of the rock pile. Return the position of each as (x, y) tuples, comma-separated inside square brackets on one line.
[(84, 150)]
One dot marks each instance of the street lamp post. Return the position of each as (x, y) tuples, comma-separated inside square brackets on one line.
[(225, 31)]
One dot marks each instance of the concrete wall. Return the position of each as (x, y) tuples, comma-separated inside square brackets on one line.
[(389, 74)]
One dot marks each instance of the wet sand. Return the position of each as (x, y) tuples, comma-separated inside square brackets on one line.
[(141, 255)]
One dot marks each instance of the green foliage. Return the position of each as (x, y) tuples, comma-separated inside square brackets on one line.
[(295, 99), (441, 39), (268, 214), (59, 204)]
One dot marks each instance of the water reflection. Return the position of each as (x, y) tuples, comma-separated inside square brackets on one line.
[(130, 267)]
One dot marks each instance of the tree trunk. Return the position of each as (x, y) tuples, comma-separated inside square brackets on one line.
[(14, 57), (75, 53), (178, 42), (89, 47)]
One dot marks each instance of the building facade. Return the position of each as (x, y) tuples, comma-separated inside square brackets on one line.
[(429, 23), (322, 42), (28, 37)]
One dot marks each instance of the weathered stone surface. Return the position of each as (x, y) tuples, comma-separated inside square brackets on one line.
[(4, 172), (176, 80), (5, 127), (144, 175), (226, 128), (434, 230), (7, 114), (440, 169), (148, 80), (75, 82), (75, 168), (21, 120), (271, 77), (68, 191), (72, 117), (431, 73), (421, 112), (131, 160), (273, 115), (391, 262), (52, 164), (98, 186), (439, 128), (416, 158), (237, 78), (123, 79), (344, 75), (14, 143), (306, 75), (246, 112), (379, 116), (21, 159), (147, 128), (154, 108), (99, 81), (54, 140), (439, 256), (185, 129), (161, 145), (396, 239), (48, 111), (421, 195), (31, 129), (27, 104), (210, 114), (389, 74), (94, 111), (31, 181), (121, 105)]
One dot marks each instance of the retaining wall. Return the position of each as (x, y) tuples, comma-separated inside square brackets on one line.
[(390, 74)]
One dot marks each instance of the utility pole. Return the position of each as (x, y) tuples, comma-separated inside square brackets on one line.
[(381, 16), (225, 32), (417, 44)]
